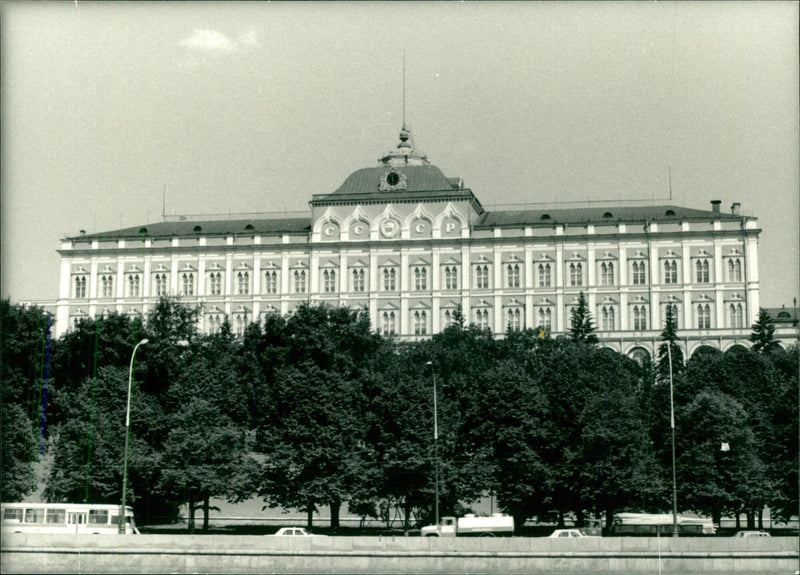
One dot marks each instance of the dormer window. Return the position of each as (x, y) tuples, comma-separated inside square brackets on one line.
[(545, 217), (670, 213), (608, 215)]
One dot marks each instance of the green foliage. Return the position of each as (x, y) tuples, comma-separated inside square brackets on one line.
[(18, 448), (670, 355), (763, 334), (582, 328)]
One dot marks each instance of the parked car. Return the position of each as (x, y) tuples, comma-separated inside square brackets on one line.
[(567, 533), (752, 534), (295, 532)]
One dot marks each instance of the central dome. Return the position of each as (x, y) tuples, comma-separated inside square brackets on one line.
[(403, 169)]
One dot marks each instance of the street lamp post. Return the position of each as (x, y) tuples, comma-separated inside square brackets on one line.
[(122, 523), (672, 426), (435, 441)]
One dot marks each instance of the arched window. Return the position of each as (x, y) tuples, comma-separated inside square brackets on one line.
[(243, 283), (512, 273), (639, 318), (546, 319), (544, 275), (701, 267), (187, 287), (420, 278), (133, 285), (737, 315), (639, 273), (482, 318), (216, 283), (575, 274), (299, 281), (80, 287), (450, 277), (389, 279), (358, 280), (420, 322), (703, 316), (514, 315), (607, 273), (271, 282), (329, 281), (670, 272), (388, 324), (608, 318), (482, 277)]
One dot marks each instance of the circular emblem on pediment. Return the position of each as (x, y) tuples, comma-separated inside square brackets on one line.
[(393, 180), (389, 228)]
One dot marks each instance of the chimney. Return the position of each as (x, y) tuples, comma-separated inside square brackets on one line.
[(735, 208), (715, 206)]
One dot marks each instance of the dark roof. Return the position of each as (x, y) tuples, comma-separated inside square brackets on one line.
[(418, 179), (781, 315), (206, 228), (600, 215)]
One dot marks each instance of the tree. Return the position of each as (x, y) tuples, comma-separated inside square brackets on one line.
[(205, 453), (18, 443), (26, 377), (718, 469), (88, 446), (763, 334), (670, 355), (581, 325), (312, 423), (510, 430)]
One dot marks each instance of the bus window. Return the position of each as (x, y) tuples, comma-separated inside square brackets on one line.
[(34, 516), (12, 514), (98, 516), (56, 516)]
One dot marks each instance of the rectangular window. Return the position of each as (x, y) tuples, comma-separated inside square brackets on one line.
[(56, 516), (98, 516), (34, 515)]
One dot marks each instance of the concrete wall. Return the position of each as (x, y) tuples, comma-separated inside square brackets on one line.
[(27, 553)]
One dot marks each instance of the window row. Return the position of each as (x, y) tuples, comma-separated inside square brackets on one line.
[(420, 279)]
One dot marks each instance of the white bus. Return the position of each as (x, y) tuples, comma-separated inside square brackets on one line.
[(64, 518), (661, 523)]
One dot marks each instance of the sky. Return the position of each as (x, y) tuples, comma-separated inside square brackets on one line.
[(113, 112)]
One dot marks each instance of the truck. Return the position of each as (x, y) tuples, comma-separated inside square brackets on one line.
[(471, 525)]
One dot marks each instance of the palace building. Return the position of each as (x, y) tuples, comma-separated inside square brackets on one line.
[(416, 248)]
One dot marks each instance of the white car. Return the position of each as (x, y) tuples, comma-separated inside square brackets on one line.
[(752, 534), (294, 532), (567, 533)]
